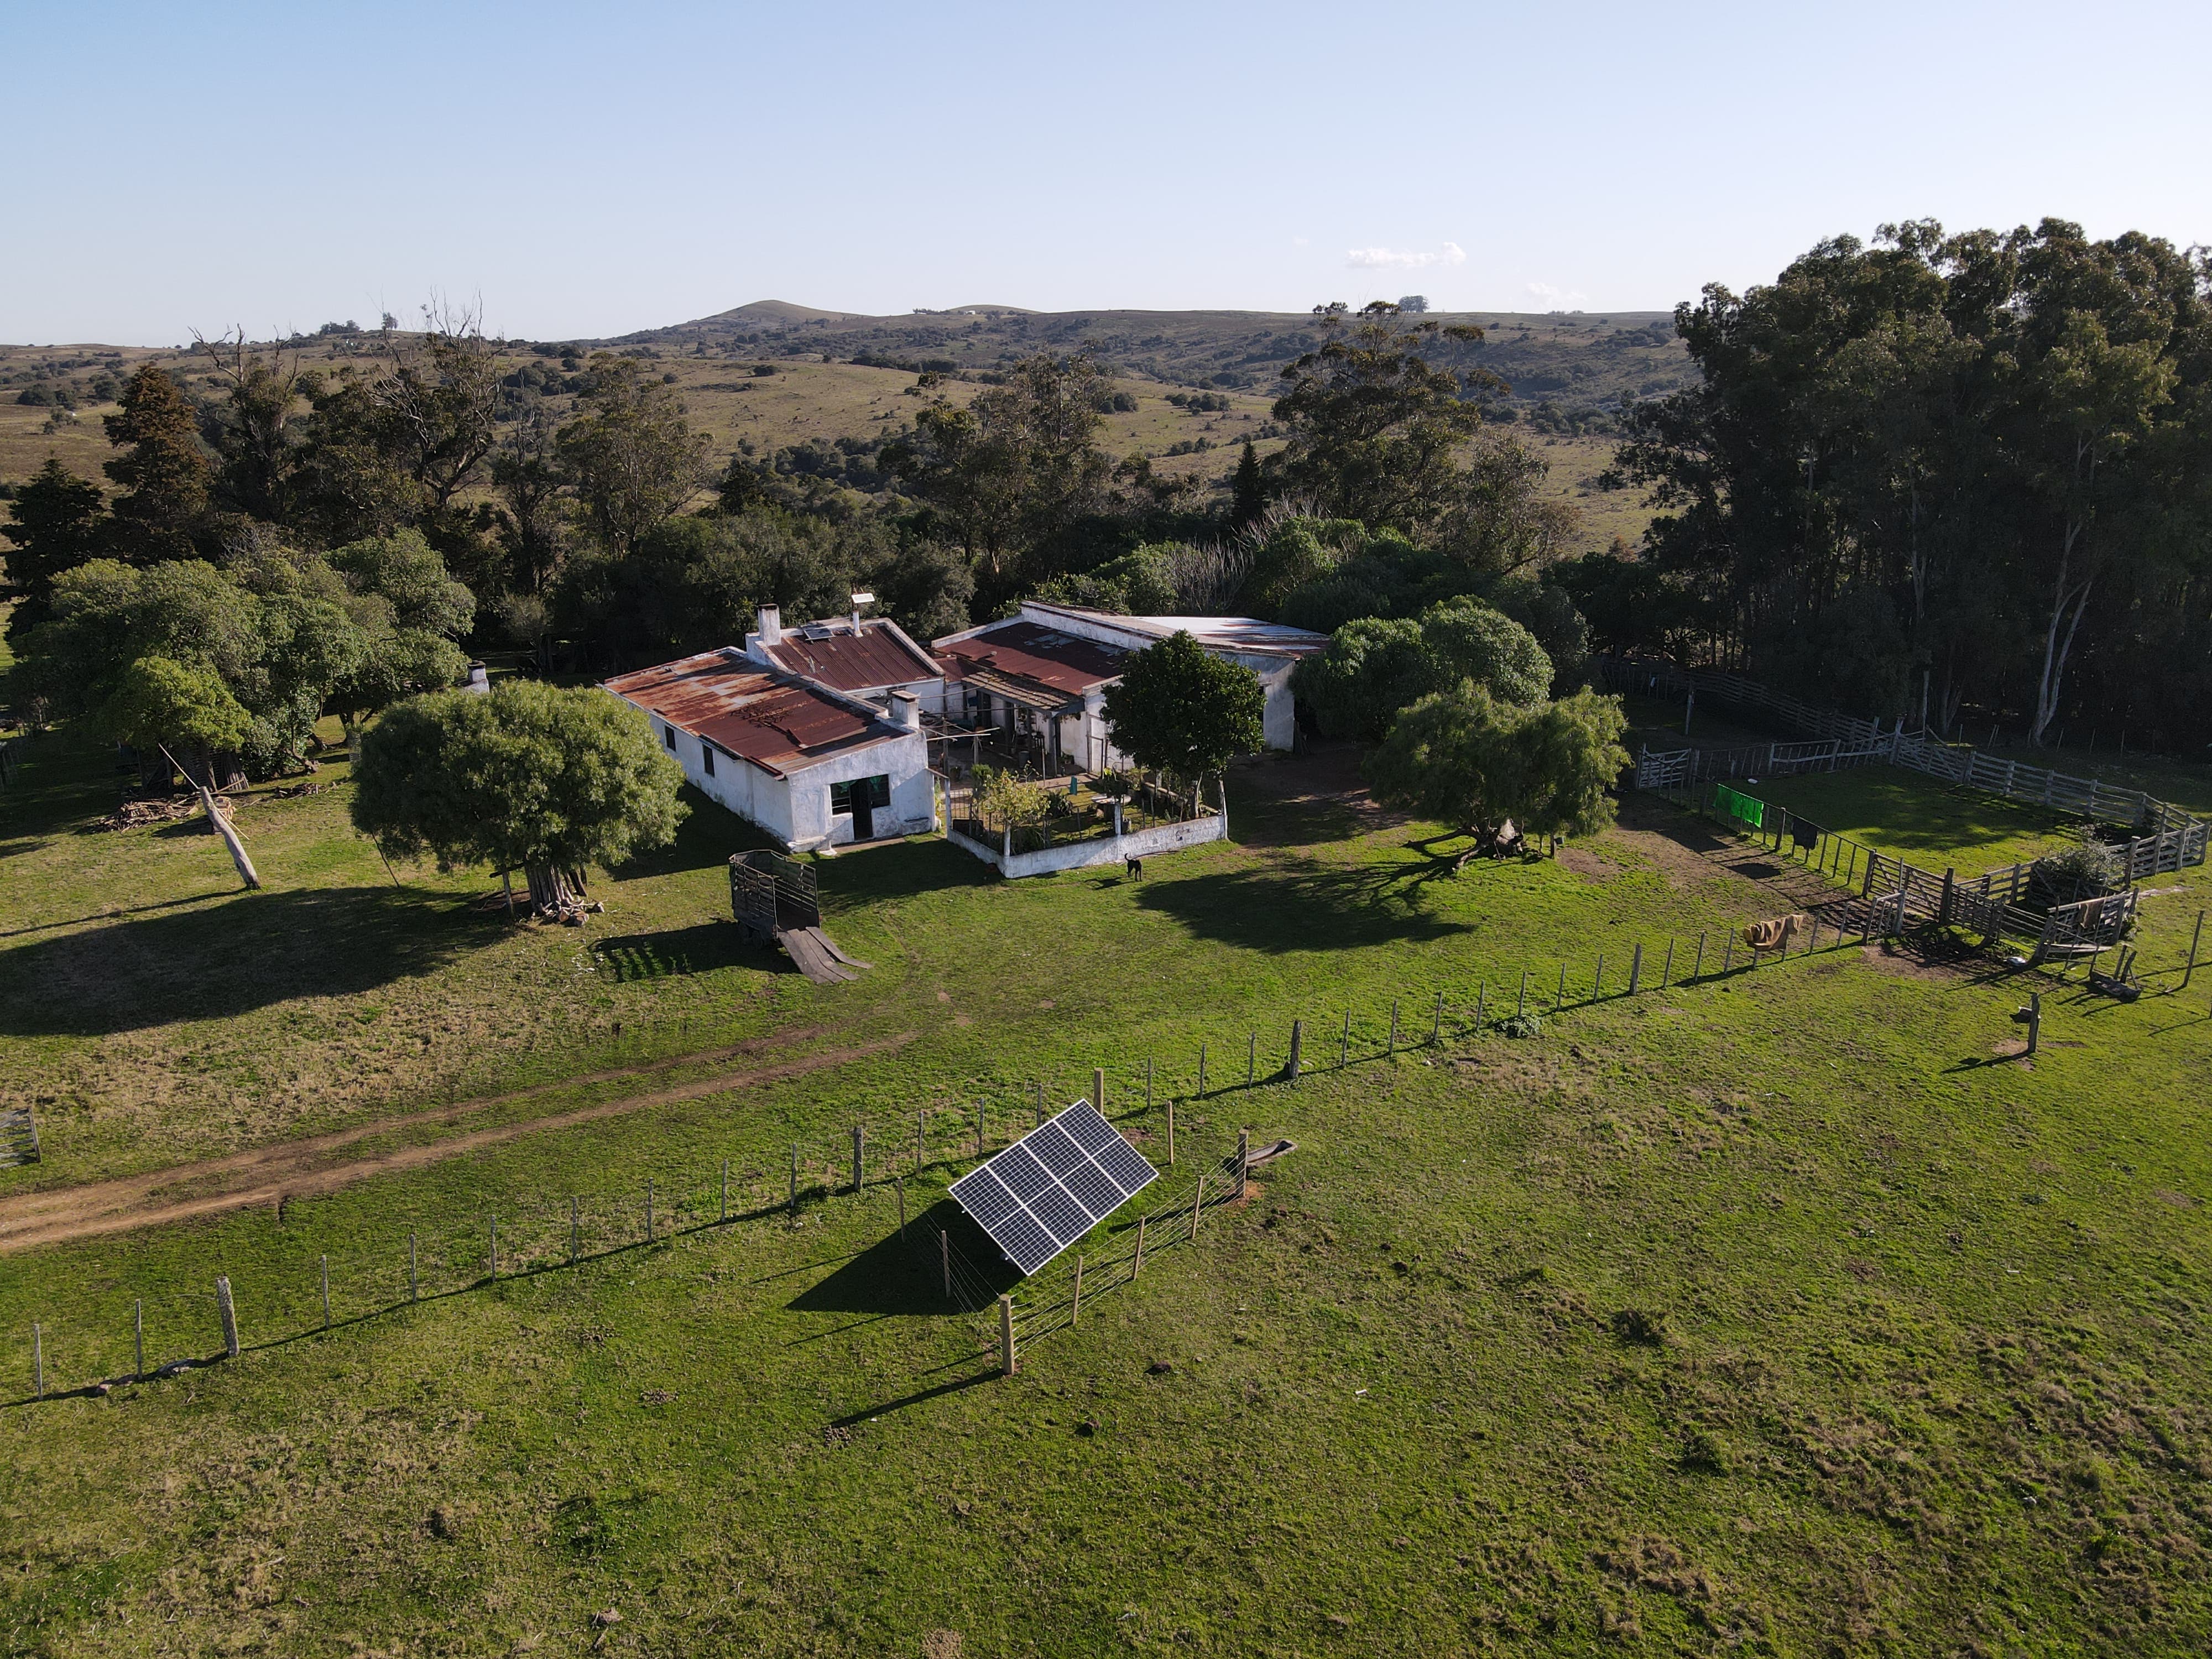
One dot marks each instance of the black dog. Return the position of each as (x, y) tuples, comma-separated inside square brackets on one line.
[(1133, 869)]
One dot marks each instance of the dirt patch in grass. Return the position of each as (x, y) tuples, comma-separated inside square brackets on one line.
[(295, 1169), (1587, 865)]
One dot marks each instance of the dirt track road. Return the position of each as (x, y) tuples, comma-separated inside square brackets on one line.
[(303, 1169)]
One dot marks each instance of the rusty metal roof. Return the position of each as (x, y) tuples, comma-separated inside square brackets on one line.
[(879, 655), (1045, 658), (778, 721), (1244, 633)]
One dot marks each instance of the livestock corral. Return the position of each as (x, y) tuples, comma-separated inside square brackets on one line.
[(1625, 1290)]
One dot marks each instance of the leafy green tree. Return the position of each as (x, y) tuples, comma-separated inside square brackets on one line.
[(1018, 463), (1139, 583), (533, 526), (1467, 760), (164, 472), (532, 776), (1177, 710), (56, 522), (1375, 427), (405, 570), (632, 455), (158, 703), (1376, 666)]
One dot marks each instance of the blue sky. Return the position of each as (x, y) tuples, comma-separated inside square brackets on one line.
[(588, 170)]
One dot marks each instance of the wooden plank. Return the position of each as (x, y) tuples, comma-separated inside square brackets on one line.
[(805, 948)]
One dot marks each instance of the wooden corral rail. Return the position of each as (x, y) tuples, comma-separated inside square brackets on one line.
[(2011, 900), (1844, 740)]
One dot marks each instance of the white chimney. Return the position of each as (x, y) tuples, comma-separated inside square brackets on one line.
[(858, 600), (905, 711), (771, 625)]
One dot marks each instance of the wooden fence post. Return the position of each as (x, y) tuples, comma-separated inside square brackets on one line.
[(494, 1256), (1950, 887), (724, 1212), (228, 1311), (1170, 1131), (1482, 996), (1243, 1159), (1394, 1025), (1098, 1090), (324, 1262), (920, 1129), (39, 1359), (414, 1291), (138, 1339), (1006, 1336), (1635, 969), (1251, 1059), (1298, 1048), (1597, 985), (1197, 1204), (1137, 1262), (1699, 967), (1728, 956), (1040, 1103), (1436, 1026), (1666, 972), (2034, 1019), (794, 1177), (648, 1211), (2189, 971), (899, 1186), (944, 1258), (1344, 1054), (859, 1136), (1075, 1302), (1559, 997)]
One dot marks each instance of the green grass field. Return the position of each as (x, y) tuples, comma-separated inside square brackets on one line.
[(1777, 1312)]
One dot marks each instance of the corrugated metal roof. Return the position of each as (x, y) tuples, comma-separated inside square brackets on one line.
[(1228, 633), (879, 655), (779, 723), (1045, 657)]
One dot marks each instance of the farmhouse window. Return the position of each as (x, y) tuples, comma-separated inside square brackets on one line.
[(707, 757), (668, 736)]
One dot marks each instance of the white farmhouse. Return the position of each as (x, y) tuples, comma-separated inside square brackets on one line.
[(811, 765), (1044, 673)]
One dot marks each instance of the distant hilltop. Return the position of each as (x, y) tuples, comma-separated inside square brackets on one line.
[(1573, 358)]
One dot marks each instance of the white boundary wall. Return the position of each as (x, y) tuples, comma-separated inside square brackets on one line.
[(1099, 849)]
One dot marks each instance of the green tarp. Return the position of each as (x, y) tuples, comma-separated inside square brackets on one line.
[(1725, 799)]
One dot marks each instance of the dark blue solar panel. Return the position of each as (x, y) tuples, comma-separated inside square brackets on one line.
[(1091, 1131), (1024, 1176), (1043, 1192), (1094, 1191), (1055, 1148), (1067, 1219), (1027, 1245)]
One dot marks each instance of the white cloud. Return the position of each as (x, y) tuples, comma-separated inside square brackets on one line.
[(1391, 258), (1300, 242), (1554, 297)]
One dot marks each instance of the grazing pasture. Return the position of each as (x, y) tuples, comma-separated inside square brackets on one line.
[(1780, 1310)]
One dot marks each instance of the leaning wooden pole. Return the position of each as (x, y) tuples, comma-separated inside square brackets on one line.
[(221, 825)]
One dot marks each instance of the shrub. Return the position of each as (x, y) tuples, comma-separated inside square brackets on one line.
[(1521, 1026)]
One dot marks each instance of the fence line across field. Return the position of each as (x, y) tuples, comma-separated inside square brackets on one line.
[(884, 1148)]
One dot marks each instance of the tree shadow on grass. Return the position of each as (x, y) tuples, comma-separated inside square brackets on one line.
[(859, 880), (229, 958), (708, 835), (1303, 905), (906, 1275)]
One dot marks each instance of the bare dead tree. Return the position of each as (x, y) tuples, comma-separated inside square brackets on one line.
[(442, 395)]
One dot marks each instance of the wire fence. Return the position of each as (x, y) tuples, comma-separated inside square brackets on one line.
[(885, 1153)]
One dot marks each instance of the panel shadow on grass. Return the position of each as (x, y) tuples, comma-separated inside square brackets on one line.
[(897, 1275), (1303, 905), (230, 957)]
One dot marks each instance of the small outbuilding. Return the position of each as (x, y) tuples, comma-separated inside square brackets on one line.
[(813, 766)]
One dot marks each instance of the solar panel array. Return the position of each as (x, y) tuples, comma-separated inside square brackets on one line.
[(1054, 1185)]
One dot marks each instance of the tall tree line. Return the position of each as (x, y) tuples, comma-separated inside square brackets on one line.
[(1965, 476)]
